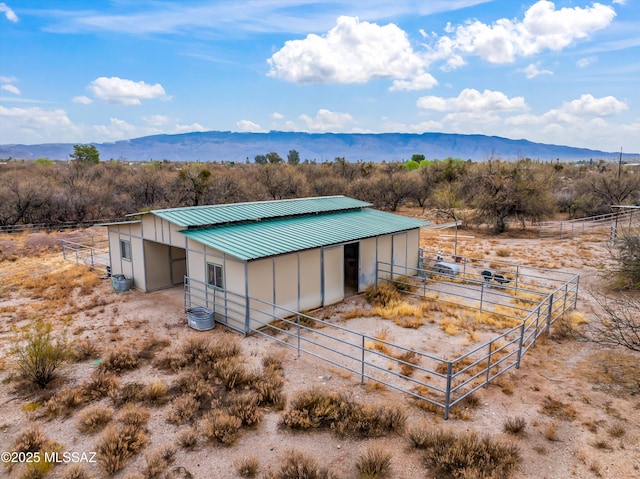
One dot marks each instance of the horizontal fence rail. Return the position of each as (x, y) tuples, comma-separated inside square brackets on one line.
[(57, 226), (92, 250), (440, 381), (609, 223)]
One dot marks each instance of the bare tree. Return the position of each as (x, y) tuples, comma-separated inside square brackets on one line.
[(618, 321)]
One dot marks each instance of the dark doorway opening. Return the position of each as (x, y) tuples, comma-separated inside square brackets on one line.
[(351, 255)]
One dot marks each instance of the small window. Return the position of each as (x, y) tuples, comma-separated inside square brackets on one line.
[(214, 275), (125, 250)]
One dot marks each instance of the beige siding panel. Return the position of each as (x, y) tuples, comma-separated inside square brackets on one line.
[(177, 239), (157, 265), (400, 253), (166, 232), (333, 275), (286, 283), (413, 246), (196, 266), (235, 299), (149, 227), (384, 255), (310, 279), (137, 263), (114, 250), (178, 265), (261, 287), (367, 262)]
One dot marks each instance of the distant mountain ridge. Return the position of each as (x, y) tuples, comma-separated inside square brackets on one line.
[(377, 147)]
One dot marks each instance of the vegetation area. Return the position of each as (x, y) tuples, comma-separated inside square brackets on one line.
[(494, 192)]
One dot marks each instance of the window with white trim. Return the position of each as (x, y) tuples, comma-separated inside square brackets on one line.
[(215, 275), (125, 250)]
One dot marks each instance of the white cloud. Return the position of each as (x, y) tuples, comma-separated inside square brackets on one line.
[(8, 12), (156, 120), (423, 81), (533, 71), (277, 116), (620, 2), (585, 62), (124, 92), (471, 100), (35, 124), (8, 79), (588, 105), (326, 120), (351, 52), (542, 28), (11, 89), (248, 126), (83, 100), (189, 128), (117, 129)]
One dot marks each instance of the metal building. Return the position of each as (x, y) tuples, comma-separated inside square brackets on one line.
[(298, 254)]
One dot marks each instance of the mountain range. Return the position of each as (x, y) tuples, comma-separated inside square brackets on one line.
[(377, 147)]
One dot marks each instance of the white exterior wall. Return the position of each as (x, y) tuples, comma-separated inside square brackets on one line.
[(367, 263), (133, 269), (333, 274), (310, 279)]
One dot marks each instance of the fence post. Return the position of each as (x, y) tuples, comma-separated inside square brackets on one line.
[(517, 275), (549, 313), (535, 331), (520, 344), (362, 363), (481, 294), (447, 396), (298, 321), (566, 292), (575, 298), (486, 383)]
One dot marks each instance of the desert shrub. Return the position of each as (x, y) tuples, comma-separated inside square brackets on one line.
[(83, 349), (616, 431), (297, 465), (156, 393), (419, 435), (269, 389), (117, 445), (404, 283), (557, 409), (188, 437), (515, 426), (315, 408), (467, 455), (129, 393), (32, 439), (566, 326), (193, 384), (118, 359), (134, 416), (503, 252), (382, 295), (158, 461), (65, 401), (172, 360), (101, 384), (233, 372), (374, 463), (39, 355), (220, 427), (151, 345), (94, 418), (272, 362), (245, 407), (247, 466), (183, 409), (76, 471)]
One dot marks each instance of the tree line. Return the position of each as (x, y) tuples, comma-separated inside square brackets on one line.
[(493, 192)]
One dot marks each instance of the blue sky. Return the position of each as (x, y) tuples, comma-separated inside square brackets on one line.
[(564, 72)]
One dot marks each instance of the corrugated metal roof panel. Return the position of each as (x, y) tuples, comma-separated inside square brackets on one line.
[(255, 240), (236, 212)]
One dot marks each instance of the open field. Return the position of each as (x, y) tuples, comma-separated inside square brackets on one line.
[(213, 408)]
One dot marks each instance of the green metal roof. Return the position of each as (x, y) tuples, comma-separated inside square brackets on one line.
[(253, 240), (200, 216)]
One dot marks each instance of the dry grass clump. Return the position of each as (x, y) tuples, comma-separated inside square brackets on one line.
[(567, 325), (316, 408), (65, 401), (558, 410), (374, 463), (76, 471), (383, 294), (183, 409), (156, 393), (515, 426), (358, 312), (272, 361), (506, 317), (466, 455), (192, 383), (407, 361), (233, 372), (404, 284), (245, 407), (188, 437), (101, 384), (32, 439), (297, 465), (119, 443), (616, 431), (247, 466), (503, 252), (119, 358), (83, 349), (220, 427), (129, 393), (269, 389), (94, 418), (158, 461)]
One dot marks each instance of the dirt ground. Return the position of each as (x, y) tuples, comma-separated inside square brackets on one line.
[(601, 438)]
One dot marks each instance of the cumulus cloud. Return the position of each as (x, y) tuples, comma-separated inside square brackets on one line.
[(471, 100), (542, 28), (35, 117), (8, 12), (326, 120), (248, 126), (585, 62), (423, 81), (189, 128), (124, 92), (533, 71), (83, 100), (4, 79), (277, 116), (11, 89), (588, 105), (116, 129), (351, 52)]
